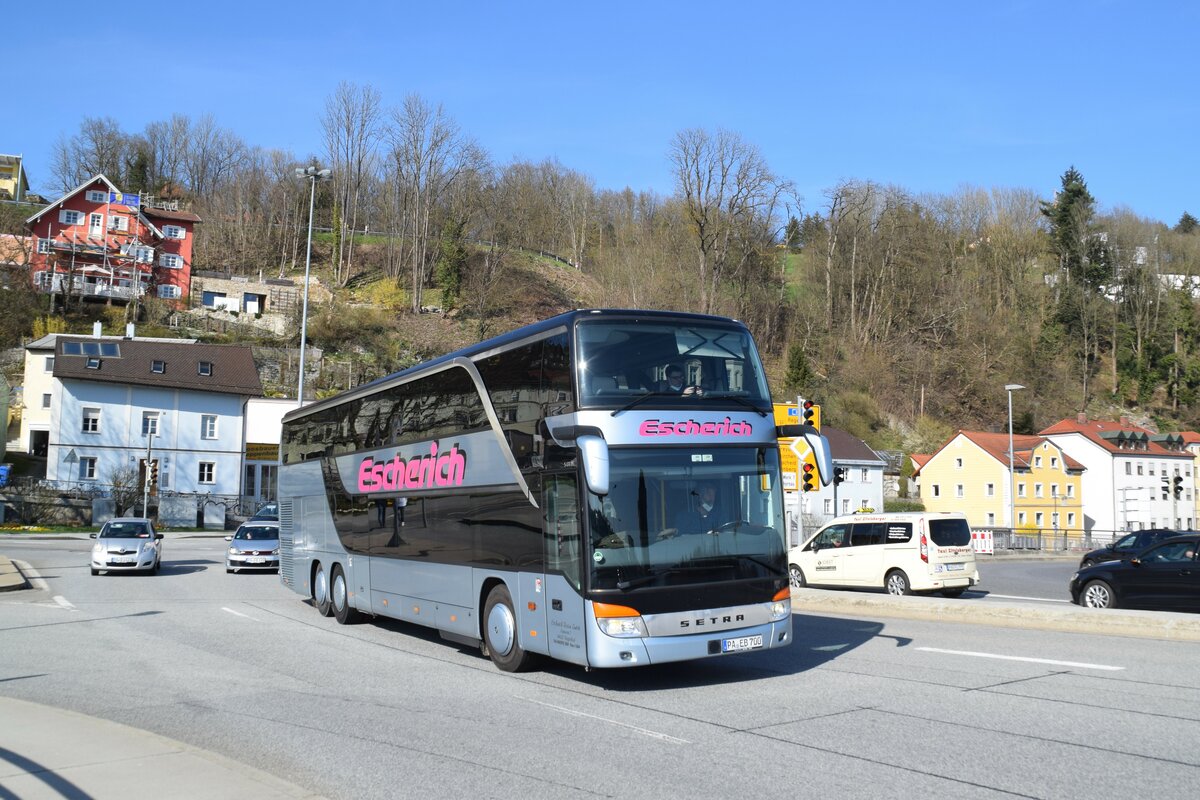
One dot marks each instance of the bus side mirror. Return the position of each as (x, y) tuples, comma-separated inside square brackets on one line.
[(593, 451)]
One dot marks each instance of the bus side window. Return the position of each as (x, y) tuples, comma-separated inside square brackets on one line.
[(561, 504)]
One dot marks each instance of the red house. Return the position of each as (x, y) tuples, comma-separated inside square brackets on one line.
[(96, 243)]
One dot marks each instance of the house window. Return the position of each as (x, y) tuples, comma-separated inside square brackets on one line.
[(207, 472), (158, 367), (93, 362), (846, 506), (958, 491), (1071, 519), (828, 507), (863, 475), (116, 222), (1054, 490), (1020, 490), (91, 420), (990, 491), (1038, 518), (149, 423), (44, 245), (1070, 490), (69, 217), (1152, 469), (1037, 490), (144, 255), (937, 490), (991, 519), (94, 196), (1020, 517), (87, 468), (168, 291), (1053, 462), (49, 364), (174, 232), (958, 463), (1037, 461), (1140, 466), (208, 426), (170, 261), (205, 368), (46, 400), (1128, 468)]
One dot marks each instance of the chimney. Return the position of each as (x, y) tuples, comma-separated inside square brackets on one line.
[(128, 330), (97, 328), (1081, 419)]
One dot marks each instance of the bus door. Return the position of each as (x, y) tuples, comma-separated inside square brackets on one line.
[(563, 599)]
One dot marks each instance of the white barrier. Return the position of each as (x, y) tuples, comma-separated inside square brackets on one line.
[(983, 541)]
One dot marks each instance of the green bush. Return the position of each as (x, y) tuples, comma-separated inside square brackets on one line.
[(903, 504)]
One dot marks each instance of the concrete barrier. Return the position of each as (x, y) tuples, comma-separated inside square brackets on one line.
[(11, 578), (976, 611)]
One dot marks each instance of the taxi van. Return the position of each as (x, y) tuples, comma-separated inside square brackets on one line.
[(902, 553)]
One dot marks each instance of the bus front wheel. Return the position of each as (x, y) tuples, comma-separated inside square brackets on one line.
[(320, 591), (500, 631)]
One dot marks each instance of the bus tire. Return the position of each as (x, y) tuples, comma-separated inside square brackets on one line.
[(796, 577), (339, 597), (500, 633), (320, 591), (897, 583)]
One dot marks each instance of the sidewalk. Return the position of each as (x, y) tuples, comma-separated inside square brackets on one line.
[(48, 753), (11, 578)]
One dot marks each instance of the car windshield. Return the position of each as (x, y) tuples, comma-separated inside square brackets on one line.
[(678, 516), (257, 532), (126, 530), (624, 362), (269, 511)]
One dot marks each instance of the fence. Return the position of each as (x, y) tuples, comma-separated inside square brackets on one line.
[(1045, 540)]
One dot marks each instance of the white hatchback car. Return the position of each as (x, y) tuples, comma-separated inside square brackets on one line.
[(127, 544), (254, 546)]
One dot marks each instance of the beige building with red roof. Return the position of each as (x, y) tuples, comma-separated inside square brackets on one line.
[(970, 473), (1130, 482)]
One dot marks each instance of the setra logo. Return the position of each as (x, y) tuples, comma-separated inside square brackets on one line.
[(727, 427)]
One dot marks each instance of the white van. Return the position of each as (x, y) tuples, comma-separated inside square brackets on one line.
[(903, 553)]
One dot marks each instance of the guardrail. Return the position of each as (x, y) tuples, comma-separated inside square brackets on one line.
[(1045, 540)]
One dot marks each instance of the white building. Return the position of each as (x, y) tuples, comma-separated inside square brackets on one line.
[(1129, 482), (862, 487), (114, 400)]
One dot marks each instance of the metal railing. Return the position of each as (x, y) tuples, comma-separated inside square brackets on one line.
[(1050, 540)]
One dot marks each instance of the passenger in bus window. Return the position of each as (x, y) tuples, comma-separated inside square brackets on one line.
[(706, 516), (675, 384)]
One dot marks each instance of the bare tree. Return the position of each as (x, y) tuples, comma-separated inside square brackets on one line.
[(99, 147), (724, 183), (213, 154), (351, 127)]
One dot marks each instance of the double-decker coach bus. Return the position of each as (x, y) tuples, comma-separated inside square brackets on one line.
[(602, 487)]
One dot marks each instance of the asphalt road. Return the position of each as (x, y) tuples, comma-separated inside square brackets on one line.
[(857, 707)]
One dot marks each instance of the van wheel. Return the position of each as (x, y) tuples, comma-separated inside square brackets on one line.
[(897, 583), (320, 591), (500, 631), (796, 577), (953, 592), (1098, 594), (339, 596)]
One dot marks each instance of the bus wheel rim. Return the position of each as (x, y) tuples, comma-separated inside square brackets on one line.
[(502, 629), (339, 592), (320, 589)]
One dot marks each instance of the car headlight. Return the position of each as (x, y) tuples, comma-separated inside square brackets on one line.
[(275, 552), (233, 551), (1075, 577), (99, 549)]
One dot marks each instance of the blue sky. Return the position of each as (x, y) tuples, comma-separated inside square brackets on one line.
[(928, 96)]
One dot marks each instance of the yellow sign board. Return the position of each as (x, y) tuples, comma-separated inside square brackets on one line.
[(262, 452)]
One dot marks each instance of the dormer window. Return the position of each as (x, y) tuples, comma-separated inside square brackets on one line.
[(93, 363), (206, 368), (158, 367), (95, 196)]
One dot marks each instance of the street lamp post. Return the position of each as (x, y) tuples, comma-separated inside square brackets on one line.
[(1012, 474), (313, 174)]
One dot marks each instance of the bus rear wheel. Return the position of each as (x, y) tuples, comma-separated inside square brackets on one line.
[(320, 591), (339, 596), (500, 631)]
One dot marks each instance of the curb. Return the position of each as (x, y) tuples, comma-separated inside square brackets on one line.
[(1173, 626), (11, 578)]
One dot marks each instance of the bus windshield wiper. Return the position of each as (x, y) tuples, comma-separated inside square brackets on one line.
[(638, 401)]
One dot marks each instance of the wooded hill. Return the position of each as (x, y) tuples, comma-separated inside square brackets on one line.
[(903, 315)]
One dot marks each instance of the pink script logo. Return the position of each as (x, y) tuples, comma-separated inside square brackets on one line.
[(727, 427), (419, 472)]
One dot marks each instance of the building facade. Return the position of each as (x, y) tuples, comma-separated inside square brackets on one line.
[(96, 243)]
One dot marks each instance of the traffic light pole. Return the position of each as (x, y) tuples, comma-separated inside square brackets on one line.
[(146, 478)]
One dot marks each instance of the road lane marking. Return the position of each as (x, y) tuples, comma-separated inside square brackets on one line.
[(63, 602), (1080, 664), (644, 731), (1018, 597), (237, 613)]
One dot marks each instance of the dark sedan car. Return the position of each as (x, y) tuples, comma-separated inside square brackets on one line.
[(1127, 546), (1165, 575)]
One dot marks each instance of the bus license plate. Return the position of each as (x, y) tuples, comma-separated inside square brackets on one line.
[(741, 643)]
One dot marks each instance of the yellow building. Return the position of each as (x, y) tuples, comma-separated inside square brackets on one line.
[(14, 183), (970, 473)]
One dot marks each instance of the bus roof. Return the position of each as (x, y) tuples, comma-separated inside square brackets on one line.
[(566, 319)]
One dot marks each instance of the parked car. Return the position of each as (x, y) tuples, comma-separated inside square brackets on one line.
[(127, 544), (1127, 546), (1166, 575), (255, 545), (269, 512)]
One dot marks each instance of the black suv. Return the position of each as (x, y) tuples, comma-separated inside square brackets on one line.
[(1127, 546)]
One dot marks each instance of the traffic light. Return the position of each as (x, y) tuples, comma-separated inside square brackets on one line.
[(839, 475), (154, 473), (812, 414), (1178, 487), (808, 473)]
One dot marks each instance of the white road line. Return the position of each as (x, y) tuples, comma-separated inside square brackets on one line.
[(644, 731), (1018, 597), (1079, 664), (236, 613), (64, 602)]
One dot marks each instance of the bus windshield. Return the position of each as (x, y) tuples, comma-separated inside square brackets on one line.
[(677, 517), (702, 363)]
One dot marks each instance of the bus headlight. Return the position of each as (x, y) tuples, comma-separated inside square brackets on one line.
[(620, 621), (781, 605)]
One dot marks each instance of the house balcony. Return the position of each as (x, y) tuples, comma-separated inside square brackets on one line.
[(95, 282)]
